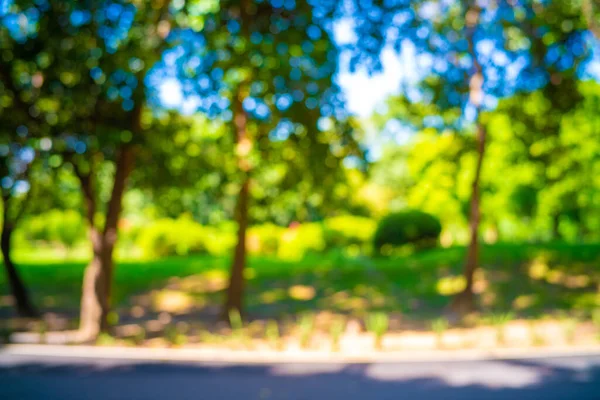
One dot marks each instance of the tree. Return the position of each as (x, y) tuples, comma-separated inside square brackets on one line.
[(15, 171), (267, 70), (95, 55), (473, 55), (23, 121)]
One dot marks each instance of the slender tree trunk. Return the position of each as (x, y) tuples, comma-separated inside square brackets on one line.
[(235, 290), (23, 304), (589, 12), (96, 291), (124, 166), (93, 302), (464, 303)]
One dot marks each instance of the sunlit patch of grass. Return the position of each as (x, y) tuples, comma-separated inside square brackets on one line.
[(207, 282), (538, 268), (272, 296), (524, 301), (451, 285), (555, 276), (577, 281), (172, 301), (302, 292)]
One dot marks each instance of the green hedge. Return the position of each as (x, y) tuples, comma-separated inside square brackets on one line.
[(66, 228), (407, 227)]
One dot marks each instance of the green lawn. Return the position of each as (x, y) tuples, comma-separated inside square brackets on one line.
[(529, 279)]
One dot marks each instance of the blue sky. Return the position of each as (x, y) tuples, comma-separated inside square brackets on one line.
[(364, 92)]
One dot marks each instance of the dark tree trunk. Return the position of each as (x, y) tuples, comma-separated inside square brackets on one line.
[(124, 166), (94, 303), (23, 304), (235, 290), (463, 302), (96, 290)]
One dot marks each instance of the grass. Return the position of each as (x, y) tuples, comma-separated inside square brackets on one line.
[(439, 327), (527, 279), (378, 324)]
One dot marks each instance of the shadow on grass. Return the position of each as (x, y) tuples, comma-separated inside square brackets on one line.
[(561, 378), (277, 289)]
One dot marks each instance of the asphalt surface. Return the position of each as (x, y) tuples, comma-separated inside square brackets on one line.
[(63, 378)]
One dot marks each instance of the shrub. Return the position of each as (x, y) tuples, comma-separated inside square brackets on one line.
[(407, 227), (167, 237), (68, 228), (264, 239), (220, 240), (348, 230), (56, 226), (299, 240)]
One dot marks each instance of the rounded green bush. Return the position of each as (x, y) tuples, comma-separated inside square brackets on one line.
[(407, 227)]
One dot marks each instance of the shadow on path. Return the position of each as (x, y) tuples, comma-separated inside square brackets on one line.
[(26, 378)]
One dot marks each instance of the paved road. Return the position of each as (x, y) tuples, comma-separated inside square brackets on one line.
[(62, 378)]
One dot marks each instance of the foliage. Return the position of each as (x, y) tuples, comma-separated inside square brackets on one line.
[(347, 230), (66, 228), (378, 324), (407, 227), (265, 239), (167, 237), (300, 240)]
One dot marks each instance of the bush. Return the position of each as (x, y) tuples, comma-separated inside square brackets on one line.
[(299, 240), (65, 227), (348, 230), (264, 239), (220, 240), (167, 237), (407, 227)]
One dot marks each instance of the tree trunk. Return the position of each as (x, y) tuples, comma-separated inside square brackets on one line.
[(464, 303), (589, 13), (94, 303), (20, 295), (97, 287), (235, 290)]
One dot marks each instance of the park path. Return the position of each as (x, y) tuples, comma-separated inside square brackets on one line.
[(26, 377)]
